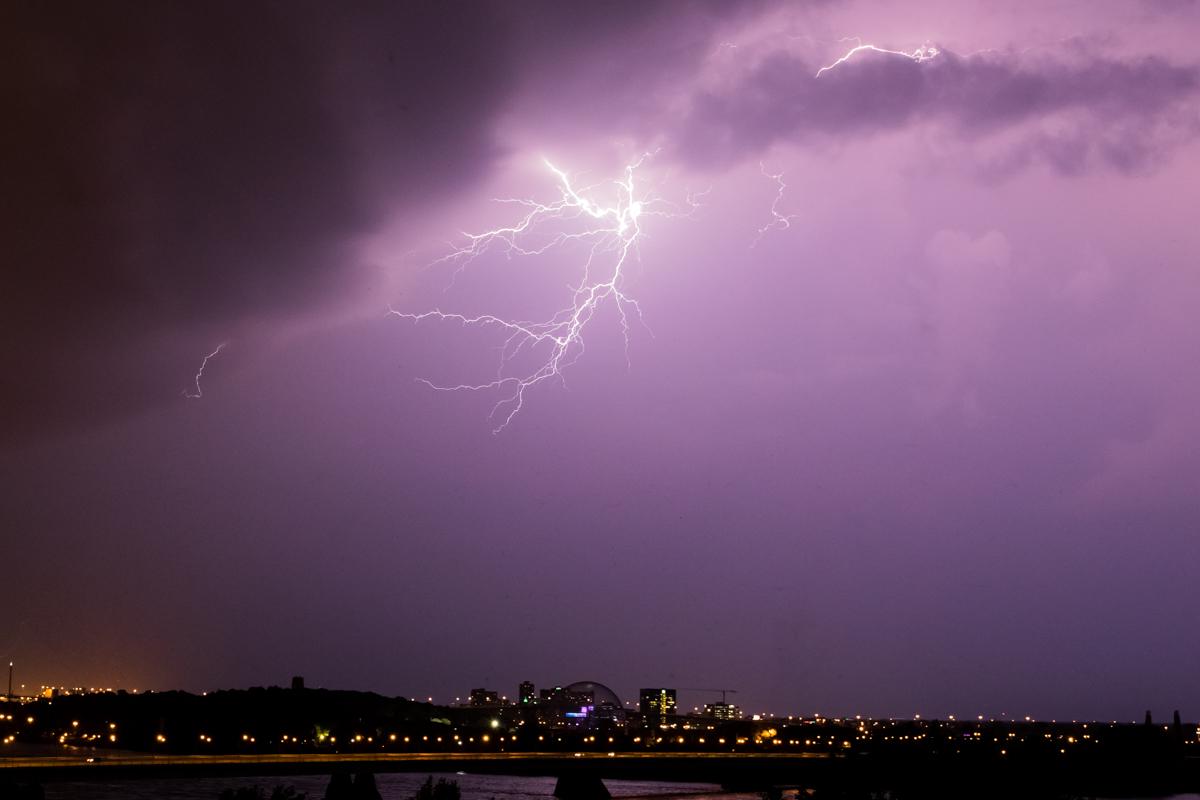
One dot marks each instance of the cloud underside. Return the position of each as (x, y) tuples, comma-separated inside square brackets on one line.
[(1099, 110), (170, 172)]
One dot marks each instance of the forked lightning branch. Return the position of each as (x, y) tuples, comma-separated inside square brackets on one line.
[(608, 231)]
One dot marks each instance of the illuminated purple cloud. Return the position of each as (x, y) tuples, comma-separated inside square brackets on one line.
[(1104, 110)]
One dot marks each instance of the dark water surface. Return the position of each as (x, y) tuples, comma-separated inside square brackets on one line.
[(392, 786), (396, 786)]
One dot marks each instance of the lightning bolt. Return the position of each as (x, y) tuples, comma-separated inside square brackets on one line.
[(203, 364), (922, 53), (722, 46), (610, 234), (778, 220)]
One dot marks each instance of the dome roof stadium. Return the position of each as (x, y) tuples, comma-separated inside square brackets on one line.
[(600, 692)]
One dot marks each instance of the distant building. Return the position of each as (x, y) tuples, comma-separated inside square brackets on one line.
[(482, 698), (562, 705), (297, 682), (657, 702), (527, 695), (722, 710), (580, 705)]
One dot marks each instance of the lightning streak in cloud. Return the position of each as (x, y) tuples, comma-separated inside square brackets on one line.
[(609, 233), (203, 364), (922, 53), (778, 220)]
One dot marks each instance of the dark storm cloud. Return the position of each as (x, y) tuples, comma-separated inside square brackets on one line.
[(784, 98), (615, 66), (175, 165), (170, 170)]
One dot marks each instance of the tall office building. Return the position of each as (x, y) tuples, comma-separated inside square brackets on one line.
[(527, 695), (657, 702), (722, 711)]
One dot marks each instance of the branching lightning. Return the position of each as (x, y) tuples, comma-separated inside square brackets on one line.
[(778, 220), (610, 234), (923, 53), (203, 364)]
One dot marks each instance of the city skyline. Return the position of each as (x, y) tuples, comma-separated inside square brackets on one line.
[(721, 710)]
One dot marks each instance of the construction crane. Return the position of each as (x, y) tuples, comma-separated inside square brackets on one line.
[(722, 691)]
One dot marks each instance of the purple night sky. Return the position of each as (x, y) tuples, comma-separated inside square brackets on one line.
[(931, 446)]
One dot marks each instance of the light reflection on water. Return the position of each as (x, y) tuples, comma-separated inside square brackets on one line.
[(392, 786)]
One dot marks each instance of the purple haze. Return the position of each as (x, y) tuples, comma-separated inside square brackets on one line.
[(932, 447)]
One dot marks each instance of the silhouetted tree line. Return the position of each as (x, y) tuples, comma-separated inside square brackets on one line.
[(442, 790), (362, 787), (259, 793), (252, 720)]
